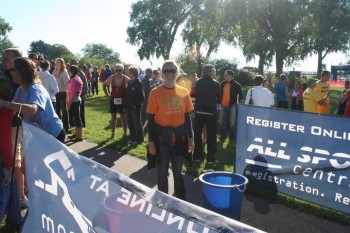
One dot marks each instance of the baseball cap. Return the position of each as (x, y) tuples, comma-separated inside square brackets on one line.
[(310, 80)]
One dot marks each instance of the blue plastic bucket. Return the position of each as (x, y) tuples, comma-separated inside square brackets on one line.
[(223, 192)]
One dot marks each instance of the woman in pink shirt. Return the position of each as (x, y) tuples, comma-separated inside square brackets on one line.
[(73, 101)]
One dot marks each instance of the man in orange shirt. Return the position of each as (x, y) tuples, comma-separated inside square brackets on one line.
[(231, 94), (169, 128)]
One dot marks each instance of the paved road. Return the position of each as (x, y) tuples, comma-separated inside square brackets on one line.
[(257, 212)]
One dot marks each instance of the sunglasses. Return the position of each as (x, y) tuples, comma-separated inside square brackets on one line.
[(12, 69), (169, 71), (118, 70)]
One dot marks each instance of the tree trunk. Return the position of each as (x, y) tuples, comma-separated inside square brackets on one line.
[(261, 64), (279, 63), (198, 59), (319, 63)]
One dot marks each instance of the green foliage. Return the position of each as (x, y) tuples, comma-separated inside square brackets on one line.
[(205, 27), (99, 62), (51, 52), (4, 41), (244, 77), (222, 65), (39, 47), (61, 51), (277, 29), (291, 81), (328, 28), (155, 24), (189, 63), (100, 52)]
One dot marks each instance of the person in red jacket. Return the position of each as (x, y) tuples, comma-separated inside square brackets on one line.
[(6, 146), (6, 116)]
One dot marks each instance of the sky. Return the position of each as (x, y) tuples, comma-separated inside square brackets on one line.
[(75, 23)]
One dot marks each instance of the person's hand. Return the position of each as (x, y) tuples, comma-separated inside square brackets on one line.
[(7, 174), (190, 145), (152, 148), (3, 103)]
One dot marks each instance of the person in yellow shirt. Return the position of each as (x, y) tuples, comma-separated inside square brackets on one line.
[(311, 98), (323, 88)]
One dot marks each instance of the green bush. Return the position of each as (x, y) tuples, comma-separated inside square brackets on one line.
[(244, 78)]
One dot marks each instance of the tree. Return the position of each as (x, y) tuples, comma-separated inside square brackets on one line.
[(328, 28), (101, 51), (255, 41), (189, 63), (4, 41), (281, 21), (221, 65), (51, 52), (58, 50), (39, 47), (205, 28), (155, 24)]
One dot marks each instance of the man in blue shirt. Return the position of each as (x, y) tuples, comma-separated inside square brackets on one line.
[(281, 90)]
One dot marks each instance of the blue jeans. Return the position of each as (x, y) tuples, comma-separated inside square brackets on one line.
[(227, 113), (133, 118), (166, 153)]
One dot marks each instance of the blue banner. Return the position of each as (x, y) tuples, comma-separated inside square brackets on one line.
[(300, 154), (70, 193)]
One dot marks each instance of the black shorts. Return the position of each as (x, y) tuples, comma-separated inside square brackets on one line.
[(116, 108)]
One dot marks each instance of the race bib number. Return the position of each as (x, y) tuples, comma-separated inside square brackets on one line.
[(118, 101)]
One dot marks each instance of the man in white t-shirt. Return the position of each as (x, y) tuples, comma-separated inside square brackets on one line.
[(48, 80), (261, 96)]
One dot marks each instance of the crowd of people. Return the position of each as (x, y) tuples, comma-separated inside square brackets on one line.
[(53, 98)]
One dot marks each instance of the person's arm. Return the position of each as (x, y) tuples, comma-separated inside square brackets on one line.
[(286, 90), (65, 77), (247, 97), (140, 94), (218, 94), (240, 93), (324, 100), (151, 134), (85, 84), (344, 96), (26, 109), (53, 85), (272, 99), (188, 124), (105, 85)]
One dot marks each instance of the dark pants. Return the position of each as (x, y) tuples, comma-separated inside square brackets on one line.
[(61, 106), (134, 123), (75, 111), (209, 121), (144, 115), (82, 111), (82, 114), (166, 154), (94, 87), (62, 136), (282, 104)]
